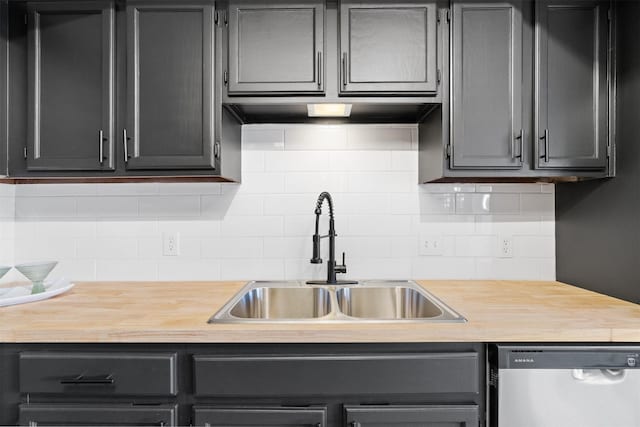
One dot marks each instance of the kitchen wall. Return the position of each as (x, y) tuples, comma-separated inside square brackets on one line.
[(262, 228)]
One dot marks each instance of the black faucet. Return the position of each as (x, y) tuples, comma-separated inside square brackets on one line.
[(332, 267)]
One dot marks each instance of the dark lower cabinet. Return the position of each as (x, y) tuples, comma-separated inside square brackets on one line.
[(70, 86), (411, 416), (35, 415), (312, 416)]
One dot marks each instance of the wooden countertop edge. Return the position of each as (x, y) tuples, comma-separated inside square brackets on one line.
[(498, 311)]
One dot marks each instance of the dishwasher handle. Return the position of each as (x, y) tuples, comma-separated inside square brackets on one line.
[(599, 376)]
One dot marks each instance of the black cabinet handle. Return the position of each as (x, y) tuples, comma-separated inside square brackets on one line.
[(88, 380), (520, 155)]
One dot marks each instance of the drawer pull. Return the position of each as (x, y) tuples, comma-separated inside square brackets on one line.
[(86, 380)]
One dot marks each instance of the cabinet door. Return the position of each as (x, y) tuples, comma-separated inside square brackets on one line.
[(70, 89), (276, 47), (169, 86), (486, 122), (34, 415), (261, 417), (388, 47), (411, 416), (571, 84)]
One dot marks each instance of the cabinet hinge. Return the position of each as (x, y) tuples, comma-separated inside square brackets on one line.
[(447, 150), (24, 152), (216, 150), (225, 77), (608, 151)]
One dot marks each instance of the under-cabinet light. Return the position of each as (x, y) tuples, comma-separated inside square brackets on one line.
[(329, 110)]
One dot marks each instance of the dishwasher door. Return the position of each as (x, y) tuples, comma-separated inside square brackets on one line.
[(567, 386)]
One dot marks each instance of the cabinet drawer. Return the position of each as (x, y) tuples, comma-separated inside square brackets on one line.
[(113, 415), (336, 375), (414, 415), (98, 373), (315, 416)]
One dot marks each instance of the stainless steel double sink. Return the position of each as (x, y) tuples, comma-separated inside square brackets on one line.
[(368, 301)]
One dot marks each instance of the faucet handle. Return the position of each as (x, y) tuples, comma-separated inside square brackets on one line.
[(341, 268)]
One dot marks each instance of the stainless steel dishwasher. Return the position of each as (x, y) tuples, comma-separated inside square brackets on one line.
[(564, 386)]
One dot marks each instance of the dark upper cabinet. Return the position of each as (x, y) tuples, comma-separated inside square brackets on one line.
[(571, 116), (404, 416), (251, 416), (487, 78), (70, 119), (388, 47), (276, 47), (170, 96)]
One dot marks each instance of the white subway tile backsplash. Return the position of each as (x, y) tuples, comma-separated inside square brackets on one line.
[(534, 246), (310, 138), (45, 207), (117, 248), (382, 182), (232, 247), (437, 203), (119, 270), (252, 268), (487, 203), (248, 226), (296, 161), (314, 182), (262, 138), (262, 228), (542, 204), (379, 225), (169, 206), (107, 207), (372, 137), (196, 270), (358, 161)]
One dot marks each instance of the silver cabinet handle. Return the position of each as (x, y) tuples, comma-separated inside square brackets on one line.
[(319, 69), (101, 146), (546, 145), (126, 146), (344, 69)]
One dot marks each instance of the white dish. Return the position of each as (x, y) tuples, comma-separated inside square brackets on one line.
[(22, 294)]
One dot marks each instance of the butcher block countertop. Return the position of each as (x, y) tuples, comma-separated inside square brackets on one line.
[(164, 312)]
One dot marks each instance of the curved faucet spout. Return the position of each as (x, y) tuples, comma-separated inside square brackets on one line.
[(332, 267)]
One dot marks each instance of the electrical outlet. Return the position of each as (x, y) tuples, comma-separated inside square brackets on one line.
[(505, 247), (171, 244), (431, 245)]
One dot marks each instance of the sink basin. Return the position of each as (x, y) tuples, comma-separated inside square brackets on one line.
[(395, 302), (368, 301), (282, 303)]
